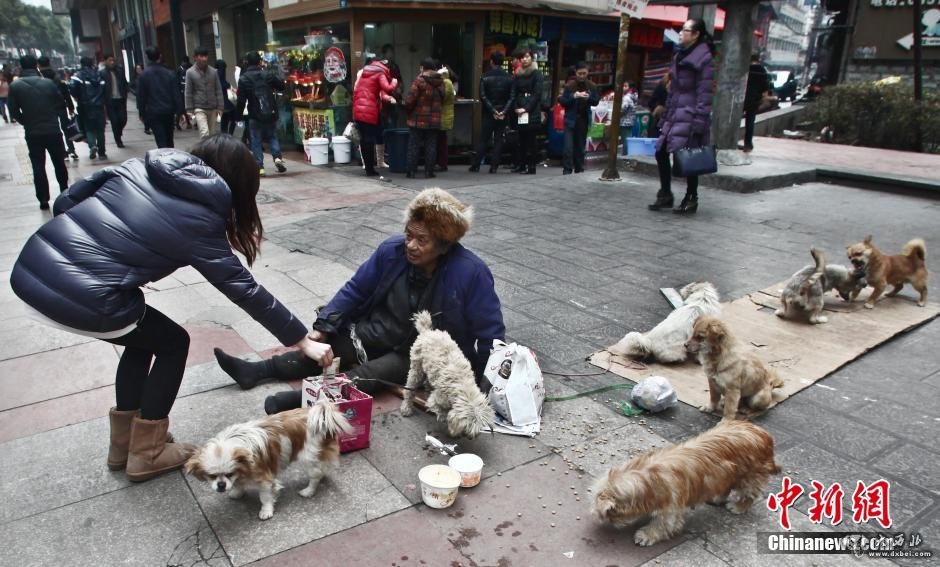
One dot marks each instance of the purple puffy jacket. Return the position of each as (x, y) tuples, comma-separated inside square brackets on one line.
[(689, 106)]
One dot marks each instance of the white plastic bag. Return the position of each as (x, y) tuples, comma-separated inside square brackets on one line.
[(654, 394), (517, 389)]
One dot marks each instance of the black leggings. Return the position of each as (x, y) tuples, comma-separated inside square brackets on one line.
[(138, 385), (665, 176)]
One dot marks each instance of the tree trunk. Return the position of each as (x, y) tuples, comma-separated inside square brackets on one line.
[(728, 103)]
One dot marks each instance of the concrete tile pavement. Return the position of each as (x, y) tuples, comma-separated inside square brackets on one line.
[(577, 263)]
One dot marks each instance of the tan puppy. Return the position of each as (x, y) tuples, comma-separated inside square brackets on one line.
[(729, 463), (736, 375), (907, 267)]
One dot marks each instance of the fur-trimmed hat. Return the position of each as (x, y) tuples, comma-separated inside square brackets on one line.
[(442, 214)]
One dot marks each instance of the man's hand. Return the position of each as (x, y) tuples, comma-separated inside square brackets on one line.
[(520, 111), (318, 336)]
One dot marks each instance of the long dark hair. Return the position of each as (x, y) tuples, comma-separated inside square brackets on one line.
[(698, 25), (233, 161)]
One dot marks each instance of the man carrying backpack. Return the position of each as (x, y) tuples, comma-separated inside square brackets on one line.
[(88, 88), (256, 88)]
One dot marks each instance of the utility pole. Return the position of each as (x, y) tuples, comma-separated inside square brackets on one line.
[(610, 172), (918, 74)]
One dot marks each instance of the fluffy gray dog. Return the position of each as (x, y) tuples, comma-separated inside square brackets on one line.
[(804, 294), (436, 360)]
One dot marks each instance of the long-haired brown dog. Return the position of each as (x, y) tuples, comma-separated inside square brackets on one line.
[(910, 266), (729, 463), (736, 375), (254, 454)]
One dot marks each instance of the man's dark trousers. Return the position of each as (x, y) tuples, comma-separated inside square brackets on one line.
[(749, 118), (93, 120), (38, 146), (162, 127), (491, 128), (117, 116), (575, 139)]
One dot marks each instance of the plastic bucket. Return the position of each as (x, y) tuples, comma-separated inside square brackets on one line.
[(342, 148), (641, 146), (317, 150), (470, 468), (439, 484)]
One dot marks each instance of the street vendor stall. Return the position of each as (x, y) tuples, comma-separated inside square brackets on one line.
[(319, 89)]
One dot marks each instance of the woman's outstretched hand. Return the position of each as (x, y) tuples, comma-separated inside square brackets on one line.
[(320, 352)]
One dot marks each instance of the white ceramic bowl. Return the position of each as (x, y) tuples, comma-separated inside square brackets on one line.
[(470, 468), (439, 484)]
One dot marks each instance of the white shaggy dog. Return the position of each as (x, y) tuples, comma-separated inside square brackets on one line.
[(666, 341), (437, 361)]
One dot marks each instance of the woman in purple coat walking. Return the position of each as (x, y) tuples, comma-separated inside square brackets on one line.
[(687, 120)]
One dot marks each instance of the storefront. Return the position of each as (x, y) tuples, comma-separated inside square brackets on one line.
[(461, 35)]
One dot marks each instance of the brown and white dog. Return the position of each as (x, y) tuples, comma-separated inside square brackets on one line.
[(736, 375), (907, 267), (253, 454), (729, 463)]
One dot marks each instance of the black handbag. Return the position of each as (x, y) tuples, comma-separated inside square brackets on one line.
[(72, 132), (694, 161)]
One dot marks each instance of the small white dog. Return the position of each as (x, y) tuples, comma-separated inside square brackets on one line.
[(437, 361), (248, 455), (666, 341)]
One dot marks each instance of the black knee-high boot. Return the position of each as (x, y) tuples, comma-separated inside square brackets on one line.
[(287, 366)]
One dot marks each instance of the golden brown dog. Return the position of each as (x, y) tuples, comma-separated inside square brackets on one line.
[(736, 375), (907, 267), (729, 463)]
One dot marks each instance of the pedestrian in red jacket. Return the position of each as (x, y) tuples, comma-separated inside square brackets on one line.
[(374, 87)]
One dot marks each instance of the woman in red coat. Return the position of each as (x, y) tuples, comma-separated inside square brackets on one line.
[(374, 86)]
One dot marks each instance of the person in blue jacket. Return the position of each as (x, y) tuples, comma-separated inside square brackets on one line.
[(577, 98), (368, 323), (136, 223)]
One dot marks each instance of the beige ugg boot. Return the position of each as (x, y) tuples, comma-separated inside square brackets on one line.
[(150, 454), (120, 437)]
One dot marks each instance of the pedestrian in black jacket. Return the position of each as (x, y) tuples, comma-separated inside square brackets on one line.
[(115, 85), (139, 222), (35, 102), (528, 108), (497, 93), (758, 84), (181, 80), (158, 98), (65, 116), (87, 87), (256, 88)]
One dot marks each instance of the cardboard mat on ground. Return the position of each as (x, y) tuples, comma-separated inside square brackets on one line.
[(800, 352)]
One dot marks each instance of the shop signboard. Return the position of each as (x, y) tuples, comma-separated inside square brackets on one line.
[(310, 123), (632, 8), (511, 23), (883, 30)]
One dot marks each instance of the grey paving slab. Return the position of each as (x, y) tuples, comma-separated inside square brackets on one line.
[(33, 479), (805, 462), (153, 523), (24, 336), (568, 423), (532, 516), (519, 275), (563, 315), (400, 539), (553, 343), (614, 447), (355, 494), (208, 376), (913, 464), (513, 295), (691, 553), (397, 449), (847, 436)]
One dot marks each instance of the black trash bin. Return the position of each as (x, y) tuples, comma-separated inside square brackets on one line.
[(396, 149)]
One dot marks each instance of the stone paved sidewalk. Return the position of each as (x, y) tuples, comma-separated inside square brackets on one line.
[(577, 263)]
